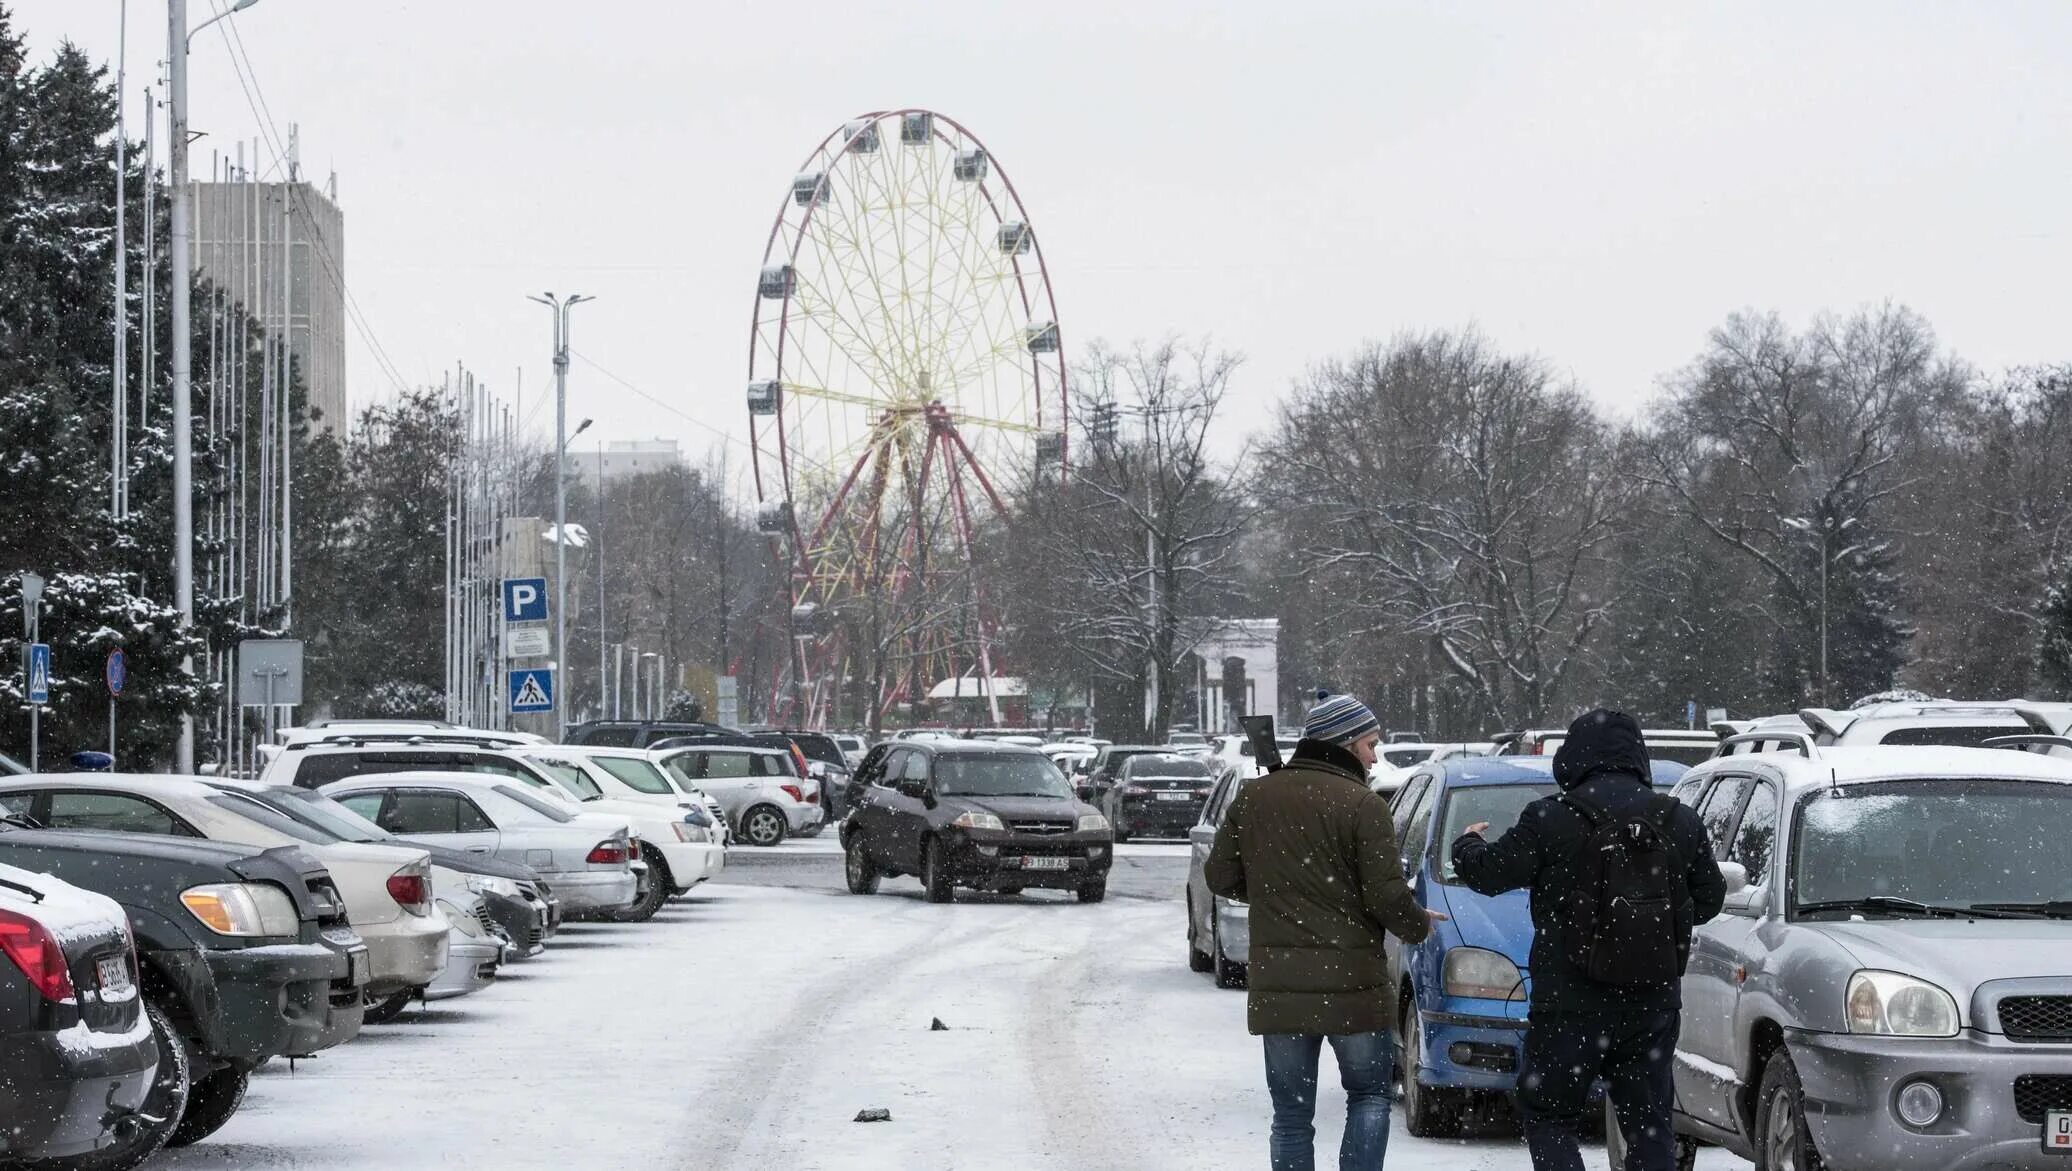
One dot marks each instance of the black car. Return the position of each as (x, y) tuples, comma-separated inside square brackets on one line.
[(243, 954), (77, 1051), (984, 816), (825, 762), (1156, 794), (639, 733)]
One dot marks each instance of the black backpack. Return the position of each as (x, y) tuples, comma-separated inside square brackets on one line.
[(1624, 920)]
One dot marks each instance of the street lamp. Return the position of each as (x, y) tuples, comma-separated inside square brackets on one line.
[(559, 308), (178, 38)]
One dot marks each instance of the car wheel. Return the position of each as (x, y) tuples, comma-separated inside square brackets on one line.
[(1094, 892), (209, 1105), (1229, 973), (166, 1101), (388, 1008), (1197, 959), (764, 825), (1428, 1111), (651, 900), (858, 868), (1782, 1140), (935, 878)]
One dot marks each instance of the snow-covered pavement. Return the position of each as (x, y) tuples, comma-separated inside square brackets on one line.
[(747, 1025)]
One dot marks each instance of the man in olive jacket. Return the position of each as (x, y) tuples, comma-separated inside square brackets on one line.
[(1313, 852)]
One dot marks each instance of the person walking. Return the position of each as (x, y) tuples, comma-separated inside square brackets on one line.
[(1619, 875), (1312, 850)]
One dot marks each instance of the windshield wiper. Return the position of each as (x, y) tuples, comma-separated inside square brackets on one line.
[(1895, 904), (2049, 909)]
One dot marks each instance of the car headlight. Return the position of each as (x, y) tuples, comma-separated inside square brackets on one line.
[(1092, 823), (462, 921), (973, 819), (696, 815), (1484, 974), (1893, 1005), (486, 884), (243, 908)]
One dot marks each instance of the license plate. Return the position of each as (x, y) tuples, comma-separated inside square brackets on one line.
[(2057, 1132), (1176, 796), (1044, 863), (356, 965), (114, 975)]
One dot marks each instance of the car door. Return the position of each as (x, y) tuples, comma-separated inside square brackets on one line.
[(873, 794), (1712, 980), (726, 777), (906, 812), (439, 817)]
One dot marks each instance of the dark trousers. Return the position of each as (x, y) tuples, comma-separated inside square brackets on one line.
[(1565, 1054)]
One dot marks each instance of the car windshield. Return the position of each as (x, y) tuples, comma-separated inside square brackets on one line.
[(999, 776), (1938, 843), (1499, 805), (271, 818), (1951, 735), (571, 776), (535, 804), (312, 808), (636, 773)]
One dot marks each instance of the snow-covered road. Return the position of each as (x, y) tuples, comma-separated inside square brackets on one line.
[(747, 1025)]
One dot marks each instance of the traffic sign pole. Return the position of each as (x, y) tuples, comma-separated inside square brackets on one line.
[(32, 628), (117, 676)]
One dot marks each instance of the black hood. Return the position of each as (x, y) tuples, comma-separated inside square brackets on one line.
[(1325, 752), (1601, 741)]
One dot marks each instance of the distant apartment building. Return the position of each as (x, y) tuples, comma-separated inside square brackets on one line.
[(279, 249), (625, 458)]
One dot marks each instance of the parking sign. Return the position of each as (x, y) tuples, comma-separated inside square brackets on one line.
[(525, 599)]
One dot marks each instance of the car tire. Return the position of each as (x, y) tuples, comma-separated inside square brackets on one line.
[(657, 892), (857, 867), (935, 878), (1197, 959), (210, 1104), (1094, 892), (1428, 1112), (1228, 972), (1782, 1142), (166, 1100), (388, 1008), (764, 825)]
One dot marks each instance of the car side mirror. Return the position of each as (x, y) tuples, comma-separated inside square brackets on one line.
[(1085, 791), (1736, 875)]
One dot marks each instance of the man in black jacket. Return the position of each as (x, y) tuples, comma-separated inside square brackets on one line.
[(1582, 1028)]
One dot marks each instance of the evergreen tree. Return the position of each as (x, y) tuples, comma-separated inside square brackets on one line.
[(2054, 644)]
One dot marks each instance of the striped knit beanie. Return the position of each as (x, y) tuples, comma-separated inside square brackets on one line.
[(1338, 719)]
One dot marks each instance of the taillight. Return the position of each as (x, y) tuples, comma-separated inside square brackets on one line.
[(411, 892), (633, 849), (609, 853), (797, 794), (36, 952)]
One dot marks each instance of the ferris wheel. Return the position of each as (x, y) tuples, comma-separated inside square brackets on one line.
[(905, 368)]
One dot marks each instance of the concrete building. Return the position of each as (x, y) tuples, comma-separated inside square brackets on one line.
[(1237, 668), (625, 458), (256, 240)]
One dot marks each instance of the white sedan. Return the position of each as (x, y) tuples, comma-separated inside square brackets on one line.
[(677, 838)]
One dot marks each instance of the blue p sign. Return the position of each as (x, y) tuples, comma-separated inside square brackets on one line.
[(525, 599)]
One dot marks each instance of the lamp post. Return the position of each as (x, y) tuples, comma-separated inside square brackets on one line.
[(559, 308), (178, 38)]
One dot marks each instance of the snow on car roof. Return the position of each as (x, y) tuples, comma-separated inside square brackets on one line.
[(1881, 763), (171, 785)]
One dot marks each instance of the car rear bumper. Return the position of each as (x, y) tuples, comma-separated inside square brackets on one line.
[(804, 817), (62, 1091), (405, 952), (1150, 817), (594, 890), (471, 965), (1852, 1085)]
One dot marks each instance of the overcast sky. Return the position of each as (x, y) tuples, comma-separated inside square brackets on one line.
[(1600, 184)]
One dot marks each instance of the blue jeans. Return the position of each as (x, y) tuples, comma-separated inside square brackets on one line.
[(1365, 1061)]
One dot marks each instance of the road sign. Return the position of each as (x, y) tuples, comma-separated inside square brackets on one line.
[(1691, 712), (528, 642), (118, 671), (39, 672), (525, 599), (269, 672), (531, 690)]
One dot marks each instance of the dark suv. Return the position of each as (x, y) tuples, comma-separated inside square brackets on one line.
[(970, 814)]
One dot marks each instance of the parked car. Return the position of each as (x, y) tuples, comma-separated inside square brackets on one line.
[(587, 859), (520, 902), (1106, 766), (677, 839), (1238, 750), (243, 954), (1685, 746), (637, 774), (824, 762), (971, 814), (1463, 992), (386, 888), (1219, 930), (640, 733), (79, 1053), (853, 748), (476, 951), (761, 790), (1890, 985), (1901, 722), (1154, 795)]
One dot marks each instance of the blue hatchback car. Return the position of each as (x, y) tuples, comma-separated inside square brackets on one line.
[(1463, 991)]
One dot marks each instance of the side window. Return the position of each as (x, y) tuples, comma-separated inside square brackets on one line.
[(771, 764), (422, 812), (724, 765), (916, 767), (1720, 807), (622, 737), (1406, 802), (367, 805), (468, 817), (890, 769), (20, 803), (1691, 790), (112, 811), (1212, 811), (1413, 840), (1758, 833), (323, 768)]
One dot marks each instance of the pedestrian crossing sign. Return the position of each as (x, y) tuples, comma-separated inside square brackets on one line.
[(531, 690), (39, 672)]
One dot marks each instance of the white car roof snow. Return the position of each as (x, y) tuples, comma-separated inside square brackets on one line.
[(1846, 766)]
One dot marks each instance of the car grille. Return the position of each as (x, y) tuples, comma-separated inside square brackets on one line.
[(1042, 827), (2036, 1093), (487, 924), (2036, 1018)]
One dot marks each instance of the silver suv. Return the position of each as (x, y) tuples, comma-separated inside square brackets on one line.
[(1890, 986), (1915, 722)]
